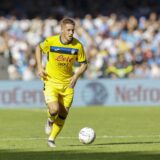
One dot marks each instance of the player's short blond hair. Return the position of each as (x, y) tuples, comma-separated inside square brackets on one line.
[(67, 20)]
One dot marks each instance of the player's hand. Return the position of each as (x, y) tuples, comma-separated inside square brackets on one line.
[(73, 81), (43, 74)]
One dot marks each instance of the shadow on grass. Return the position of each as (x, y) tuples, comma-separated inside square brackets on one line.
[(118, 143), (122, 143), (77, 155)]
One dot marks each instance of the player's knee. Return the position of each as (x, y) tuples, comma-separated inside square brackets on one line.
[(53, 109), (60, 120), (63, 113)]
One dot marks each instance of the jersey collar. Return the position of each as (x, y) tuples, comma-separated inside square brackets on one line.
[(64, 43)]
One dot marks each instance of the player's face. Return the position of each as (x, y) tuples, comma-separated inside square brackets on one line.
[(68, 31)]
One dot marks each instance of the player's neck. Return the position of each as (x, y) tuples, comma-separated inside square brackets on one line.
[(64, 40)]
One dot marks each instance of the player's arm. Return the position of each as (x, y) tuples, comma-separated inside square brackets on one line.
[(80, 71), (41, 71), (81, 58)]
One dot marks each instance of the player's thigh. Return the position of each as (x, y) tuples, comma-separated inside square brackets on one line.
[(51, 96), (63, 111), (53, 107), (67, 98)]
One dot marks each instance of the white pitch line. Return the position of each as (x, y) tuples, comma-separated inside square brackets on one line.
[(99, 137)]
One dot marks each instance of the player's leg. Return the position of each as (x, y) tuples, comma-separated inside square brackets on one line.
[(53, 108), (65, 102), (51, 99), (59, 122)]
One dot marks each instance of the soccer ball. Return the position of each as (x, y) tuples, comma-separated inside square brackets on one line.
[(87, 135)]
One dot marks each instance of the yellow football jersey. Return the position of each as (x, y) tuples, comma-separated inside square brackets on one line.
[(61, 58)]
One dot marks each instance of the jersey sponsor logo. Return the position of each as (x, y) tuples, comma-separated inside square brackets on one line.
[(64, 50), (62, 58)]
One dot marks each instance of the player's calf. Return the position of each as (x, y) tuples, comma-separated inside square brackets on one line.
[(48, 126)]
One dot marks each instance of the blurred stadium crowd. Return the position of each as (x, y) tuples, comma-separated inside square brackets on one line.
[(121, 39)]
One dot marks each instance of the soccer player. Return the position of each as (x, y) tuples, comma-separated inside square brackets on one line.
[(59, 79)]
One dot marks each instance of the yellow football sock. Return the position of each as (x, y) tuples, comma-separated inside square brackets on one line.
[(57, 127), (51, 117)]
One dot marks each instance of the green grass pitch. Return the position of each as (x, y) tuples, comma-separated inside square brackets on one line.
[(123, 133)]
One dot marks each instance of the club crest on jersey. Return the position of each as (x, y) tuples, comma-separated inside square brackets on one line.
[(73, 51)]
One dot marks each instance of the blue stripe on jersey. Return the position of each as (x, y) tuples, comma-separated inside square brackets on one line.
[(64, 50)]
